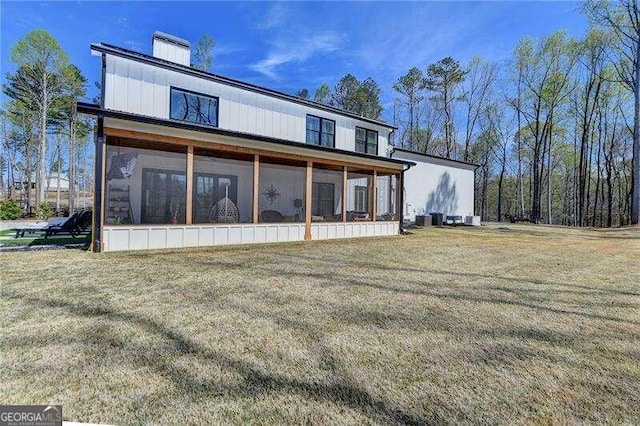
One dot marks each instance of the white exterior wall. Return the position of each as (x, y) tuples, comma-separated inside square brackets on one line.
[(437, 186), (144, 89), (145, 237)]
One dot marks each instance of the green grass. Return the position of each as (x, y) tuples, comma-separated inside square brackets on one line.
[(7, 238), (521, 325)]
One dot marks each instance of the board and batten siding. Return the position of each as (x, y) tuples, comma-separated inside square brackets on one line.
[(136, 237), (139, 88)]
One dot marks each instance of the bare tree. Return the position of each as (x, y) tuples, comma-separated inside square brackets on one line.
[(623, 19), (443, 79), (480, 79)]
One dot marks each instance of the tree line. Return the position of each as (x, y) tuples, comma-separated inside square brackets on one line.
[(554, 130), (43, 137), (44, 140)]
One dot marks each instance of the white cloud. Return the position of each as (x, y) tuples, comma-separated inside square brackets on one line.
[(275, 16), (133, 45), (296, 51)]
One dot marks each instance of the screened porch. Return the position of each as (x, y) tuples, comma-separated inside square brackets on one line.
[(152, 183)]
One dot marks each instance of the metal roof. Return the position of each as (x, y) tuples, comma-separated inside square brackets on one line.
[(435, 157)]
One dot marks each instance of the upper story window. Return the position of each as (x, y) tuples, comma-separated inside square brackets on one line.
[(321, 131), (193, 107), (366, 141)]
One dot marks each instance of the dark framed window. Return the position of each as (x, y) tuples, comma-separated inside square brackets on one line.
[(322, 199), (321, 131), (361, 199), (193, 107), (366, 141)]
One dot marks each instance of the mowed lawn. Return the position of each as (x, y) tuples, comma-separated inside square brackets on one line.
[(526, 324)]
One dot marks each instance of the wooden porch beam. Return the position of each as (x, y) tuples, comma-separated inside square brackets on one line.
[(175, 140), (256, 186), (307, 201), (189, 195)]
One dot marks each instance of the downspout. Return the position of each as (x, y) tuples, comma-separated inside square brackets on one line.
[(474, 191)]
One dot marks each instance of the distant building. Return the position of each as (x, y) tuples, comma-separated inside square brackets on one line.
[(51, 181)]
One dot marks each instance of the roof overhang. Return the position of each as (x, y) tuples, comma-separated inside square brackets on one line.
[(206, 134), (103, 48), (419, 157)]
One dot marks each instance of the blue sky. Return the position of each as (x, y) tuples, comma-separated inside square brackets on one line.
[(288, 46)]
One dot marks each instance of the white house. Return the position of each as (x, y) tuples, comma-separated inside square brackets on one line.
[(188, 158), (436, 185)]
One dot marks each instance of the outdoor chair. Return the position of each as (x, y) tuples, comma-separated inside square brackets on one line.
[(52, 222), (76, 224)]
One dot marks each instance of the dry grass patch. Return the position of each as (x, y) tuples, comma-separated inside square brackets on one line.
[(525, 324)]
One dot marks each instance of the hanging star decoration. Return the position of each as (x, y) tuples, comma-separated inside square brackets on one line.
[(271, 193)]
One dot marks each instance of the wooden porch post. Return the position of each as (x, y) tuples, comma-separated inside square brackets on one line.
[(189, 197), (307, 202), (400, 207), (344, 194), (98, 189), (256, 186), (374, 188)]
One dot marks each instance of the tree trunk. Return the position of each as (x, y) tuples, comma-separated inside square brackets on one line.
[(59, 155), (447, 125), (635, 180), (549, 186), (588, 182), (500, 180), (519, 119), (72, 167), (485, 185), (574, 211), (598, 171), (29, 172), (42, 165), (609, 168)]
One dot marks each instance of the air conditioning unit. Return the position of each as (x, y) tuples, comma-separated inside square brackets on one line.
[(472, 220)]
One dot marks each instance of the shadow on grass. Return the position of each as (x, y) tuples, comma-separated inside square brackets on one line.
[(254, 380), (343, 279), (468, 298), (404, 268), (41, 241)]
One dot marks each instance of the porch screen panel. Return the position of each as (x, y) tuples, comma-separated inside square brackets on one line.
[(387, 199), (222, 189), (144, 186), (359, 196), (281, 196), (326, 204)]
